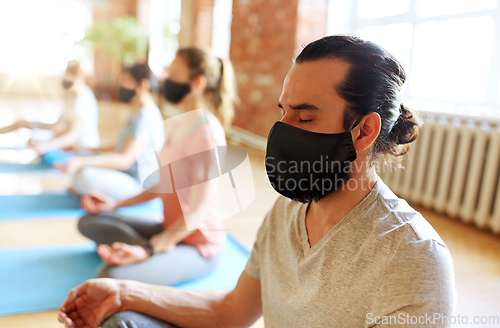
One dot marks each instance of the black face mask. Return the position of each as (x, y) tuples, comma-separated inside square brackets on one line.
[(174, 92), (301, 162), (66, 84), (125, 94)]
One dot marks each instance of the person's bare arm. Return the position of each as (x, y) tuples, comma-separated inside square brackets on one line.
[(194, 219), (90, 303), (107, 148), (143, 197), (116, 161), (30, 125), (168, 239), (13, 127), (238, 308), (96, 201), (65, 139), (58, 127), (100, 149)]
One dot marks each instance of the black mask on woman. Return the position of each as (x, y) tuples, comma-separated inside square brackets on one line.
[(125, 94), (301, 162), (66, 84), (174, 92)]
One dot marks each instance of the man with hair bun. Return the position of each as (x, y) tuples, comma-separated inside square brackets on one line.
[(339, 249)]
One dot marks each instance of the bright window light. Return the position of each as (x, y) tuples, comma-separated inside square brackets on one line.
[(451, 59), (431, 8), (221, 28), (498, 93), (41, 35), (449, 48), (381, 8), (395, 38), (164, 18)]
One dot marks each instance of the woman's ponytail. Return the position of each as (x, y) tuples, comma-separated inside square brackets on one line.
[(221, 82), (224, 109)]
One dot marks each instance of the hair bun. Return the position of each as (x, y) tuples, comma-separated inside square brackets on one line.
[(405, 129)]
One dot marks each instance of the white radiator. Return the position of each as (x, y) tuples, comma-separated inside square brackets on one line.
[(453, 168)]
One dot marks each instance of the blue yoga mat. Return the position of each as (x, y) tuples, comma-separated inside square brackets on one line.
[(54, 205), (225, 276), (56, 156), (39, 279), (47, 160), (23, 168)]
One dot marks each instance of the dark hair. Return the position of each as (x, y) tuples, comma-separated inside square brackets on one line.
[(221, 81), (142, 71), (372, 84)]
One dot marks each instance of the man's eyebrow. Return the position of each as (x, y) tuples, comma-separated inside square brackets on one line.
[(303, 106)]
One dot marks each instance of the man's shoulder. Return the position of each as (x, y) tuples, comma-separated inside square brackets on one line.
[(403, 225), (282, 213), (286, 207)]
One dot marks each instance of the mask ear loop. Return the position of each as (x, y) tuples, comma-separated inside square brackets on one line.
[(358, 120)]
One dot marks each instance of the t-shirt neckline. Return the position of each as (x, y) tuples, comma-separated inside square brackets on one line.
[(352, 214)]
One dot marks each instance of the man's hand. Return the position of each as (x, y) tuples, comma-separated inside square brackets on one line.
[(122, 254), (97, 202), (90, 303)]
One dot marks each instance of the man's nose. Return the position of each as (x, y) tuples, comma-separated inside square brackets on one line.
[(288, 119)]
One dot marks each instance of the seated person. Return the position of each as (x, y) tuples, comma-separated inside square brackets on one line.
[(78, 125), (115, 174), (340, 249), (127, 244)]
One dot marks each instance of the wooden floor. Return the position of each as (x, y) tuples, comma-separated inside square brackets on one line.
[(476, 253)]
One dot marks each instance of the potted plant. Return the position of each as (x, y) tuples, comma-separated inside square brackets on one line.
[(122, 42)]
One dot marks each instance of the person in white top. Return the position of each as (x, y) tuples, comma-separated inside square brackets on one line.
[(114, 172), (78, 125)]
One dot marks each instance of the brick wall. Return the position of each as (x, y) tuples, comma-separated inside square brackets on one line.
[(196, 23), (265, 37), (311, 22), (107, 10), (203, 29)]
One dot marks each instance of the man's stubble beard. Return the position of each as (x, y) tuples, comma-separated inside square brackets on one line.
[(333, 184)]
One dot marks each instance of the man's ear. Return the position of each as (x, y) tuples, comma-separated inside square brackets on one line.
[(367, 131)]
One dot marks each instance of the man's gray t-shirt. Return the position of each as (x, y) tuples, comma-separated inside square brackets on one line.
[(382, 262)]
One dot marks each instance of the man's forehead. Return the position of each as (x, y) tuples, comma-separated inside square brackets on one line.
[(316, 79)]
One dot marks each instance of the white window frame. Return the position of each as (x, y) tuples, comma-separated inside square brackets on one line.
[(349, 22)]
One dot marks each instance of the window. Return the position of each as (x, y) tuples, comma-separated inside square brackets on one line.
[(163, 21), (449, 48), (38, 36), (221, 28)]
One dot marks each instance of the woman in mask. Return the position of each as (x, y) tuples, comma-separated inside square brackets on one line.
[(115, 173), (186, 244), (77, 126)]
